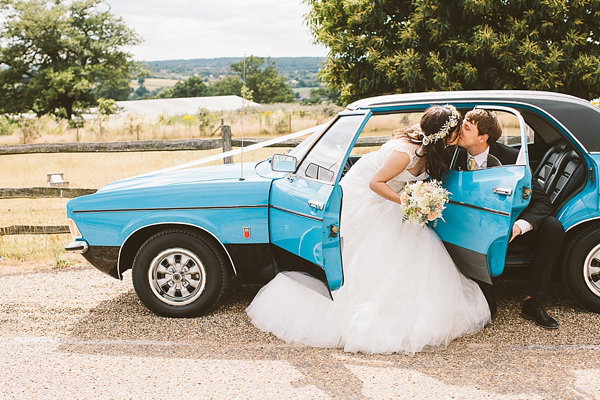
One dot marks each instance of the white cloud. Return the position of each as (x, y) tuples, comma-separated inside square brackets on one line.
[(183, 29)]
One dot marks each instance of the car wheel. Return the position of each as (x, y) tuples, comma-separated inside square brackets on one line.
[(581, 268), (179, 274)]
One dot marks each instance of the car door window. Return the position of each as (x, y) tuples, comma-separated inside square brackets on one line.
[(510, 143), (381, 127), (323, 162), (511, 134)]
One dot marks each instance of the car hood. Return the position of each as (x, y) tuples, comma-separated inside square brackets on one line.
[(207, 187), (184, 177)]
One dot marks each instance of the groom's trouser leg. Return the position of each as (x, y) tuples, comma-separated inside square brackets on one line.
[(489, 291), (548, 241)]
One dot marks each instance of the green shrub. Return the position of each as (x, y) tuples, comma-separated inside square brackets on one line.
[(7, 126)]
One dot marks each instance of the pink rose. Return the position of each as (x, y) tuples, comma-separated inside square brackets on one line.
[(432, 216), (403, 197)]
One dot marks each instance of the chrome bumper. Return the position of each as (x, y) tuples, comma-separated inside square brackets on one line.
[(78, 245)]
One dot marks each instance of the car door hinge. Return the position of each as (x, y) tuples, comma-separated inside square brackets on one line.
[(526, 192), (334, 231), (591, 174)]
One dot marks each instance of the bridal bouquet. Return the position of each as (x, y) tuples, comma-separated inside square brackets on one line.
[(423, 202)]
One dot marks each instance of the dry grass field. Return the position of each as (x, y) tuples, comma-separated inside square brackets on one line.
[(269, 120), (154, 83)]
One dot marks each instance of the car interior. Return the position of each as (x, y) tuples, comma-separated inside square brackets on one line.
[(556, 164)]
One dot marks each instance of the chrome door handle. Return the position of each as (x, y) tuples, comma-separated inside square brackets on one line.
[(502, 190), (316, 204)]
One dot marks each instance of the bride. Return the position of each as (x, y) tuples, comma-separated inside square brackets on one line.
[(402, 291)]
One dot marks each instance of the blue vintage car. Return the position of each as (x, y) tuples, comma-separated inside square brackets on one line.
[(187, 232)]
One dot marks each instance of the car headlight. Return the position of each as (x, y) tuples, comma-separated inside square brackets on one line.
[(75, 233)]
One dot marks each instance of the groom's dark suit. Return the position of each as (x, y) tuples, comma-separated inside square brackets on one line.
[(545, 238)]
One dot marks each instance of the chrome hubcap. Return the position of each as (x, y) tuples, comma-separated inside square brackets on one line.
[(177, 276), (591, 270)]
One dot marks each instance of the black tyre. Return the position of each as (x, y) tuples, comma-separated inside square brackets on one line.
[(179, 274), (581, 268)]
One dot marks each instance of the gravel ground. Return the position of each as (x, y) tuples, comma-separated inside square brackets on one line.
[(77, 333)]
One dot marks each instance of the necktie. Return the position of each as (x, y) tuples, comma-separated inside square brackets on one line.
[(472, 164)]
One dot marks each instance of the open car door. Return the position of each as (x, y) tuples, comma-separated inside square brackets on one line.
[(305, 207), (482, 210)]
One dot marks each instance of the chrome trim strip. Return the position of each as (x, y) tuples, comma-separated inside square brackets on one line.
[(503, 213), (171, 209), (78, 245), (172, 223), (297, 213)]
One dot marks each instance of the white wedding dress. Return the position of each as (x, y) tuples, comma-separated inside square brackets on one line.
[(402, 292)]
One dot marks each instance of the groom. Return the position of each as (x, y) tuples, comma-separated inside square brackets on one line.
[(534, 226)]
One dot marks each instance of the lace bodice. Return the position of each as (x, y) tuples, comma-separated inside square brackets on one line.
[(401, 145)]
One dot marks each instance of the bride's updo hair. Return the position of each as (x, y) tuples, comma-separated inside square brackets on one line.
[(433, 122), (412, 133)]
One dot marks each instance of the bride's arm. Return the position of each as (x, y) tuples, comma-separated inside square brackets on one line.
[(395, 164)]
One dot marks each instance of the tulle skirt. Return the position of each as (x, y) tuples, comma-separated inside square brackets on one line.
[(402, 292)]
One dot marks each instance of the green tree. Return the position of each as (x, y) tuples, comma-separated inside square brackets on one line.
[(106, 108), (141, 93), (266, 84), (231, 85), (57, 52), (388, 46), (321, 93), (117, 89), (192, 87)]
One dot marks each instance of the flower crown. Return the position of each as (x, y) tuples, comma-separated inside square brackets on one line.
[(445, 129)]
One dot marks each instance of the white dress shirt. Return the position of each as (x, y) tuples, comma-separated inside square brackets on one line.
[(480, 159), (481, 163)]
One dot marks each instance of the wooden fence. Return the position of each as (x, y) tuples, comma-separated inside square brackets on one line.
[(226, 142)]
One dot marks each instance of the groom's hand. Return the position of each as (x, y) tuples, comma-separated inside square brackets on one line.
[(516, 231)]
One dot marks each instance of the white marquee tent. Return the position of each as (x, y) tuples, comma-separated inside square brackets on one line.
[(182, 106)]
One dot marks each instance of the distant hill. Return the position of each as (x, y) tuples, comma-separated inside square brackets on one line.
[(301, 69)]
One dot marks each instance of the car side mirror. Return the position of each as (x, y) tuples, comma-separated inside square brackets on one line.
[(283, 163)]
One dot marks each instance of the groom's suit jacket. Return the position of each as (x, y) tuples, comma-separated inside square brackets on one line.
[(539, 206)]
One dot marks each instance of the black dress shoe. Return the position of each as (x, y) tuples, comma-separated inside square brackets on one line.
[(534, 311)]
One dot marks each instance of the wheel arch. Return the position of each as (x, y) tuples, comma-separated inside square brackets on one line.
[(575, 229), (135, 240), (573, 262), (583, 224)]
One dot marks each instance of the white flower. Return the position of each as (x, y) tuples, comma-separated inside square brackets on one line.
[(445, 129), (424, 202)]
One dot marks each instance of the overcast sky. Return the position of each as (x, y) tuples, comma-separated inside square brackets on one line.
[(184, 29)]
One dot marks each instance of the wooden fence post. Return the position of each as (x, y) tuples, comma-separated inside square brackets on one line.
[(226, 136)]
